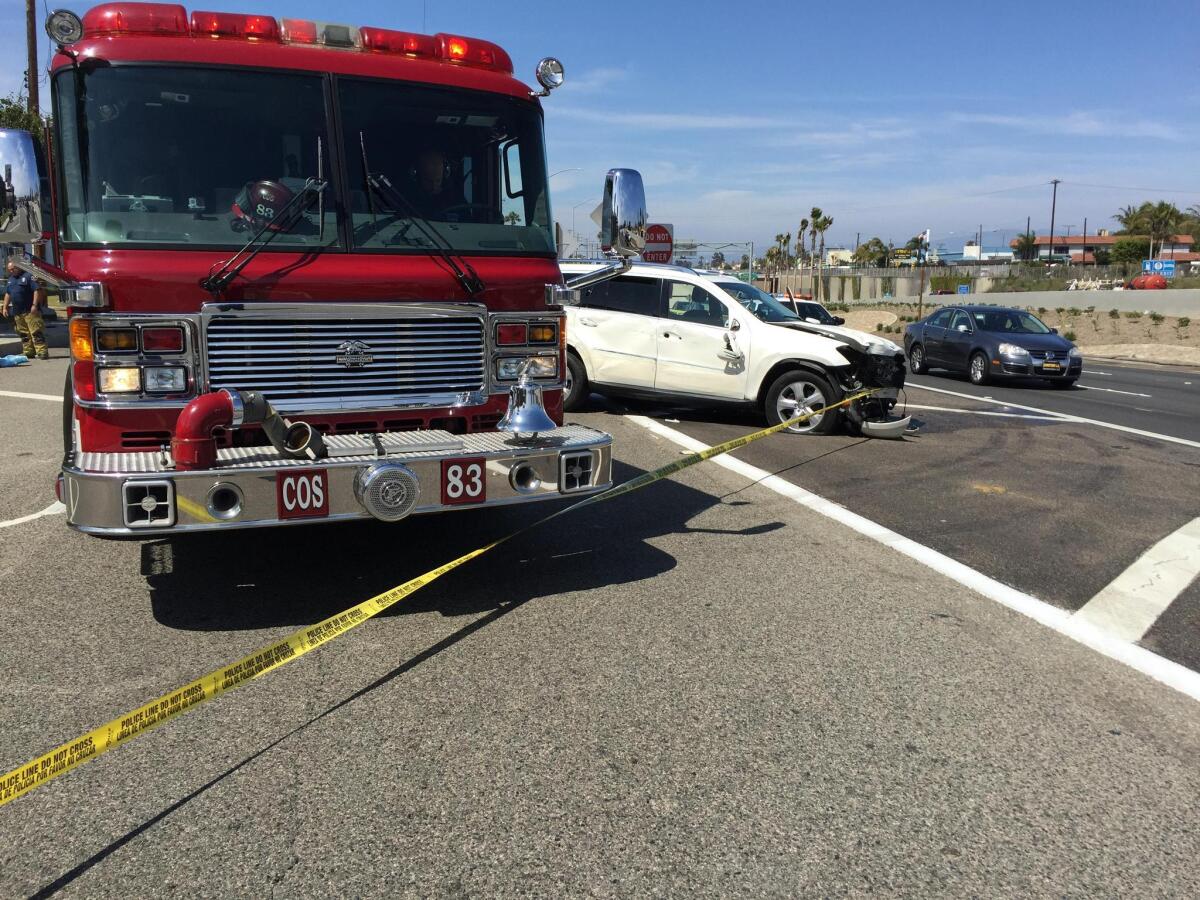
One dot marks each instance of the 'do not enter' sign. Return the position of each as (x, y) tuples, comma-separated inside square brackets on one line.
[(660, 243)]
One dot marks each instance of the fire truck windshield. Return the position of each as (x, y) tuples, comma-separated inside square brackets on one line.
[(202, 157), (471, 163)]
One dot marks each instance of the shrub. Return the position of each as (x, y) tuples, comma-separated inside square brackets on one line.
[(1073, 311), (1114, 314), (1041, 310), (879, 327), (1136, 314), (1156, 318), (1069, 335), (1060, 309), (1184, 322), (1090, 309)]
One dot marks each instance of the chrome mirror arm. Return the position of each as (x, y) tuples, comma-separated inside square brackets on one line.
[(74, 293), (612, 270)]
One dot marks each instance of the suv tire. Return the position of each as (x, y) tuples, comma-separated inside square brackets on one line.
[(797, 389), (576, 392)]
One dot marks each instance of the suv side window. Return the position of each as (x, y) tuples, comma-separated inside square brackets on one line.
[(942, 318), (624, 294), (692, 303)]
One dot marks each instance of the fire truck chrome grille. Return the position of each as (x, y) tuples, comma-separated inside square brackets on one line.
[(309, 363)]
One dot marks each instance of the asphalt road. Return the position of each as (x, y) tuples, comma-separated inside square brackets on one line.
[(1165, 400), (700, 689)]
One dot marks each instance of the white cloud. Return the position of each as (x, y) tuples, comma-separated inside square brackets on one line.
[(594, 81), (1075, 124)]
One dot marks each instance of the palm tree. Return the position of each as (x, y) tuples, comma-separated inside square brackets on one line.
[(822, 226), (1161, 220), (778, 242), (1132, 218), (814, 216), (1025, 245), (800, 238)]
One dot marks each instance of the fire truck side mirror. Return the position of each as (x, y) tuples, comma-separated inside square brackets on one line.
[(623, 220), (21, 215)]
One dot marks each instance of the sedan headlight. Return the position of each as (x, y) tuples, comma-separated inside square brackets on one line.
[(1074, 352), (1014, 351)]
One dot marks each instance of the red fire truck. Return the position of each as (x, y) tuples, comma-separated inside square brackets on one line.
[(311, 272)]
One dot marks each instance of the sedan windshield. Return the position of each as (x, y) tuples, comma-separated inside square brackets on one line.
[(759, 303), (1009, 321), (162, 155)]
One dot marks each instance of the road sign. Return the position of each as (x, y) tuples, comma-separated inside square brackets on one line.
[(964, 289), (660, 243), (1164, 267)]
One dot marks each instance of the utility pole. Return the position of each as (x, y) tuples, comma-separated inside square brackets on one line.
[(31, 73), (1053, 204), (1027, 238), (1083, 250)]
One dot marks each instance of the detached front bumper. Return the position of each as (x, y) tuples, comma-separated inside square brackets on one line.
[(388, 476)]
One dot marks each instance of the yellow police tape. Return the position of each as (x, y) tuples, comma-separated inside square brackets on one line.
[(100, 740)]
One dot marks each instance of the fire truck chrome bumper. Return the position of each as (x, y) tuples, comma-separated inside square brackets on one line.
[(142, 494)]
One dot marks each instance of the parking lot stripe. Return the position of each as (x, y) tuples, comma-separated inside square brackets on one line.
[(1150, 664), (1130, 605), (52, 510), (1087, 387), (984, 412), (21, 395), (1065, 416)]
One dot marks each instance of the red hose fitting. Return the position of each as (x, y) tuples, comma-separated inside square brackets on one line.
[(193, 445)]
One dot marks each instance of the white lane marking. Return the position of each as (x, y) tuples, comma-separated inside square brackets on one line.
[(1067, 416), (1134, 600), (52, 510), (985, 412), (1111, 391), (1092, 372), (1160, 669), (21, 395)]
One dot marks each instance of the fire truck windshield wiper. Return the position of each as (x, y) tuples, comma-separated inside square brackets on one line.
[(287, 216), (465, 273)]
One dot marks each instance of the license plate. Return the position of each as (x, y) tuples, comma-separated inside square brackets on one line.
[(302, 494), (1051, 365), (463, 481)]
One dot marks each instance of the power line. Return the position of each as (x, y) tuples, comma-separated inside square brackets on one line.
[(1125, 187)]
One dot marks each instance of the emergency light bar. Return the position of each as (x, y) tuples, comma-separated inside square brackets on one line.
[(170, 19)]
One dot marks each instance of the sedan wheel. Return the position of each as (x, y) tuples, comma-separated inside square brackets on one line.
[(916, 360), (979, 369)]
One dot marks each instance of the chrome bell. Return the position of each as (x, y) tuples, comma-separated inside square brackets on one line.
[(526, 415)]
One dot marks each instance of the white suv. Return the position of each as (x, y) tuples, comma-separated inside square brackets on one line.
[(668, 331)]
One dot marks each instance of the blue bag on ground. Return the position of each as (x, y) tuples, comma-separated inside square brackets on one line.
[(13, 359)]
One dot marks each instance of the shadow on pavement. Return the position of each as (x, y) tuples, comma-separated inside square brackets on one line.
[(296, 576)]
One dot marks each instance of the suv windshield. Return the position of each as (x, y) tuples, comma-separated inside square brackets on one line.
[(1009, 321), (760, 304), (163, 155), (471, 163)]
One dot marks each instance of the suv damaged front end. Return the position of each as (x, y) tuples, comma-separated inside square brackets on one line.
[(880, 369)]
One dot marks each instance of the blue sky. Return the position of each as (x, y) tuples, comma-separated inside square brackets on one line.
[(892, 117)]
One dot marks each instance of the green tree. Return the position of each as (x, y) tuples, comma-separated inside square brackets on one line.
[(1132, 219), (745, 261), (14, 114), (1130, 250), (1162, 222), (1025, 246), (872, 253), (718, 260)]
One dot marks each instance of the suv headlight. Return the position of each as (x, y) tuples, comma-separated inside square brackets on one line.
[(1014, 351), (1074, 352)]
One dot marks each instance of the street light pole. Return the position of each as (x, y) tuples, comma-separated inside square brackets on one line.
[(1053, 203)]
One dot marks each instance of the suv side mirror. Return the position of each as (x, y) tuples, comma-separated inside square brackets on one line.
[(838, 320), (624, 215), (22, 201)]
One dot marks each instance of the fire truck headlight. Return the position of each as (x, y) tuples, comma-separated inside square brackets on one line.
[(124, 380), (539, 367), (549, 73), (166, 379)]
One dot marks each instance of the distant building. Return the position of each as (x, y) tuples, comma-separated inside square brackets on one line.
[(1082, 248), (839, 256), (973, 252)]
